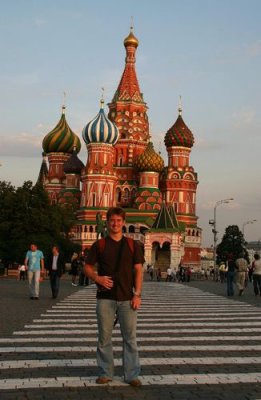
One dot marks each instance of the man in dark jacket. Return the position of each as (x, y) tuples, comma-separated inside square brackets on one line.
[(55, 265)]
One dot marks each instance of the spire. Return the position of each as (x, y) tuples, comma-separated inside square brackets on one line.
[(128, 89), (43, 170), (64, 102), (180, 106), (102, 99), (164, 221)]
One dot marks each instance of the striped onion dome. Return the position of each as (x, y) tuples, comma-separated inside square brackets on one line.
[(149, 160), (179, 134), (61, 139), (100, 129)]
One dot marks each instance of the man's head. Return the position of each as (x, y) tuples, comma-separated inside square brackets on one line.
[(33, 247), (115, 211), (55, 250), (115, 220)]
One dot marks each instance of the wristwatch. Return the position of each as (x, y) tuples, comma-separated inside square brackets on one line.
[(138, 294)]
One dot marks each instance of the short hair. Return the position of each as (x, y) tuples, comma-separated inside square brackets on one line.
[(115, 211), (256, 256)]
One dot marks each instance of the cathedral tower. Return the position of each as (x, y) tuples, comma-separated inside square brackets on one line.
[(99, 178), (129, 112), (58, 146)]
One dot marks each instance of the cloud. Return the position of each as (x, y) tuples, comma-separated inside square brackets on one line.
[(254, 50), (206, 144), (38, 21), (243, 117), (23, 145)]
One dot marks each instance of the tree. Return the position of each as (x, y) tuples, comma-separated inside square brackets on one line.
[(27, 216), (232, 244)]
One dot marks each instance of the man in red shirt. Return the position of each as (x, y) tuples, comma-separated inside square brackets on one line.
[(119, 285)]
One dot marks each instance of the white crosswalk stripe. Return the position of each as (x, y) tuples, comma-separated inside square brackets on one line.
[(208, 338)]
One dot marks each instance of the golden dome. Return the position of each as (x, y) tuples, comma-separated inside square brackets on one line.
[(149, 160), (131, 40)]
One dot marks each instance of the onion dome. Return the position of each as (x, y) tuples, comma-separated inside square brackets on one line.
[(73, 165), (61, 139), (179, 134), (100, 129), (149, 160), (131, 40)]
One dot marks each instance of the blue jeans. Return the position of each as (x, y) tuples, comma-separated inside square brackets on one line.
[(127, 317), (230, 283)]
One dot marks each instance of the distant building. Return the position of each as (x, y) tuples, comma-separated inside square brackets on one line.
[(123, 169)]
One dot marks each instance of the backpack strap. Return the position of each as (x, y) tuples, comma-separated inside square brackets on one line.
[(101, 245), (130, 242)]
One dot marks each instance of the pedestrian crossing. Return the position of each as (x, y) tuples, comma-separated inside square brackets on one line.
[(185, 337)]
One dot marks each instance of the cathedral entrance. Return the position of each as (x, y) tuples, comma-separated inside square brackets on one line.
[(161, 256)]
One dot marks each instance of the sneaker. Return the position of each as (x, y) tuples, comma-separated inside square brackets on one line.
[(135, 382), (102, 380)]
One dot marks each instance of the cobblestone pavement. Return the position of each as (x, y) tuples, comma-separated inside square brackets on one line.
[(193, 343)]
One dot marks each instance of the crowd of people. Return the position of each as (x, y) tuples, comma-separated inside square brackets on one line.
[(181, 274), (36, 267), (236, 272)]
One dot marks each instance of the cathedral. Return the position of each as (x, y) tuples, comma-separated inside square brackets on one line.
[(123, 169)]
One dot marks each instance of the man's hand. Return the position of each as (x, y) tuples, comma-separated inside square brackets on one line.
[(136, 302), (104, 281)]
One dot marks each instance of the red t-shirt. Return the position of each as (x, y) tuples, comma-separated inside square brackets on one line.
[(123, 278)]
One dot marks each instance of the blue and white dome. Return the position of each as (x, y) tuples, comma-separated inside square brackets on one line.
[(100, 129)]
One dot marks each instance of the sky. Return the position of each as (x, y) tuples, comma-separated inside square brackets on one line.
[(206, 51)]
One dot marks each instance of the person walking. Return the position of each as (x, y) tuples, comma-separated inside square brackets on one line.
[(76, 265), (21, 272), (169, 275), (241, 266), (158, 274), (231, 268), (257, 275), (34, 262), (119, 285), (56, 266)]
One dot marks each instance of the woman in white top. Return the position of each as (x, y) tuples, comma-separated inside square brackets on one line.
[(257, 275)]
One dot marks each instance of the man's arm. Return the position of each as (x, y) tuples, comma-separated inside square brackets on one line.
[(42, 264), (105, 281), (138, 278)]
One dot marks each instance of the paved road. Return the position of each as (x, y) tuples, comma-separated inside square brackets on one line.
[(193, 344)]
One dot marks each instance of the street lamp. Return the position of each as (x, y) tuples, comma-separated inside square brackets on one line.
[(213, 222), (246, 223)]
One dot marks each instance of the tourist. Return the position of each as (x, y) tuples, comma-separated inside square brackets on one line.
[(56, 266), (257, 275), (241, 267), (34, 262), (119, 284)]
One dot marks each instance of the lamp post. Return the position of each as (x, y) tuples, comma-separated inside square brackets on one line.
[(246, 223), (213, 222)]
